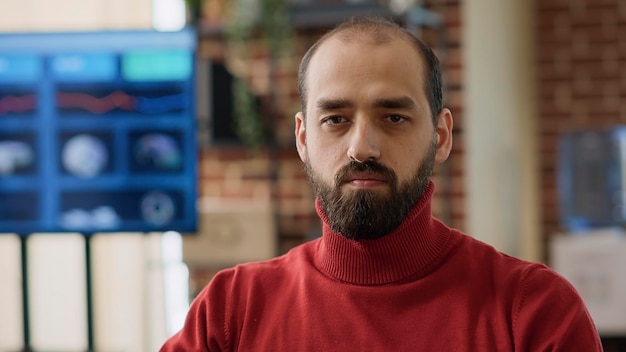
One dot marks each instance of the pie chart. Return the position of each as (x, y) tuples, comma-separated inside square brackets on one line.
[(84, 156)]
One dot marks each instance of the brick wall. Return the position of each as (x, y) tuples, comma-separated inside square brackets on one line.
[(581, 80), (233, 172), (449, 201)]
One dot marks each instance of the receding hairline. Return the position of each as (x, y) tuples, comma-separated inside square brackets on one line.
[(364, 32), (371, 32)]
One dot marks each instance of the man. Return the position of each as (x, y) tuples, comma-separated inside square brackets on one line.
[(385, 275)]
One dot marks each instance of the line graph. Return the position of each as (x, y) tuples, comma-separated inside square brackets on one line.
[(119, 100), (18, 104)]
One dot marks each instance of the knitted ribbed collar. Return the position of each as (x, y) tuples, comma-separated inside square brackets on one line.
[(407, 253)]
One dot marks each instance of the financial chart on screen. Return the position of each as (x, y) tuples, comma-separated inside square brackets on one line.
[(97, 132)]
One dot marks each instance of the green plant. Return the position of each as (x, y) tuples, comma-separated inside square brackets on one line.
[(195, 8), (248, 123), (269, 22)]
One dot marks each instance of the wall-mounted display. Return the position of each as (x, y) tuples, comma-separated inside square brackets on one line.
[(98, 132)]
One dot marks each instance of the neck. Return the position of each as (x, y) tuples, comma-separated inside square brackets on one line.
[(405, 253)]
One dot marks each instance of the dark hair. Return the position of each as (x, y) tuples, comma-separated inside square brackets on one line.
[(380, 30)]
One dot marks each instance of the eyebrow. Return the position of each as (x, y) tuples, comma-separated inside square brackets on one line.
[(403, 102), (333, 104)]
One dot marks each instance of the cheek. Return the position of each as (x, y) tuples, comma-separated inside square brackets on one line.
[(407, 161), (325, 159)]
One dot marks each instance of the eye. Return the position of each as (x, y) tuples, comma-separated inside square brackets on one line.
[(395, 118), (334, 120)]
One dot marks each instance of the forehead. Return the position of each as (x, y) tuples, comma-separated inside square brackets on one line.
[(354, 62)]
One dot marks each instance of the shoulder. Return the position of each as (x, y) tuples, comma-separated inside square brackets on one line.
[(546, 311), (549, 314), (231, 290), (542, 288), (477, 253), (265, 273), (218, 312), (520, 279), (530, 278)]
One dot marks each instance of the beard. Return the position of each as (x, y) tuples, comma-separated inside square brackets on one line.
[(368, 214)]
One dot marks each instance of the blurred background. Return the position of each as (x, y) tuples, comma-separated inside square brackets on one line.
[(147, 144)]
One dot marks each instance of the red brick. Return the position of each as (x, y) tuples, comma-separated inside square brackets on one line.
[(546, 6), (594, 16)]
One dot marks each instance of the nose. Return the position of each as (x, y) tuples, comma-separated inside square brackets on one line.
[(363, 143)]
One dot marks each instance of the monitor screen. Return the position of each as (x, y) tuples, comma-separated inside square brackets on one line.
[(591, 179), (97, 132)]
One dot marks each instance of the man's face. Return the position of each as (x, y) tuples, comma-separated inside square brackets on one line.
[(368, 141)]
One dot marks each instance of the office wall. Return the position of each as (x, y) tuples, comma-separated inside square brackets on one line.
[(581, 81)]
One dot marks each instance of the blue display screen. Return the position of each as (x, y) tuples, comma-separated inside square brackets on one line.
[(97, 132)]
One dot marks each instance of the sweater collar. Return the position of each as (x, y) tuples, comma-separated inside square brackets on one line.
[(407, 252)]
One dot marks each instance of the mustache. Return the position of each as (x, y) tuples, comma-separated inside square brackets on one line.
[(369, 166)]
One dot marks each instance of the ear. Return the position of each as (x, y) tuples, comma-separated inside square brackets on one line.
[(444, 135), (301, 135)]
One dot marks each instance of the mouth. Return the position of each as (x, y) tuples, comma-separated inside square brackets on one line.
[(365, 180)]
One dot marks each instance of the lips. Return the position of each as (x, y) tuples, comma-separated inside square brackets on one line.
[(365, 176)]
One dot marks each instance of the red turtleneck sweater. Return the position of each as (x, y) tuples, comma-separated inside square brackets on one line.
[(424, 287)]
